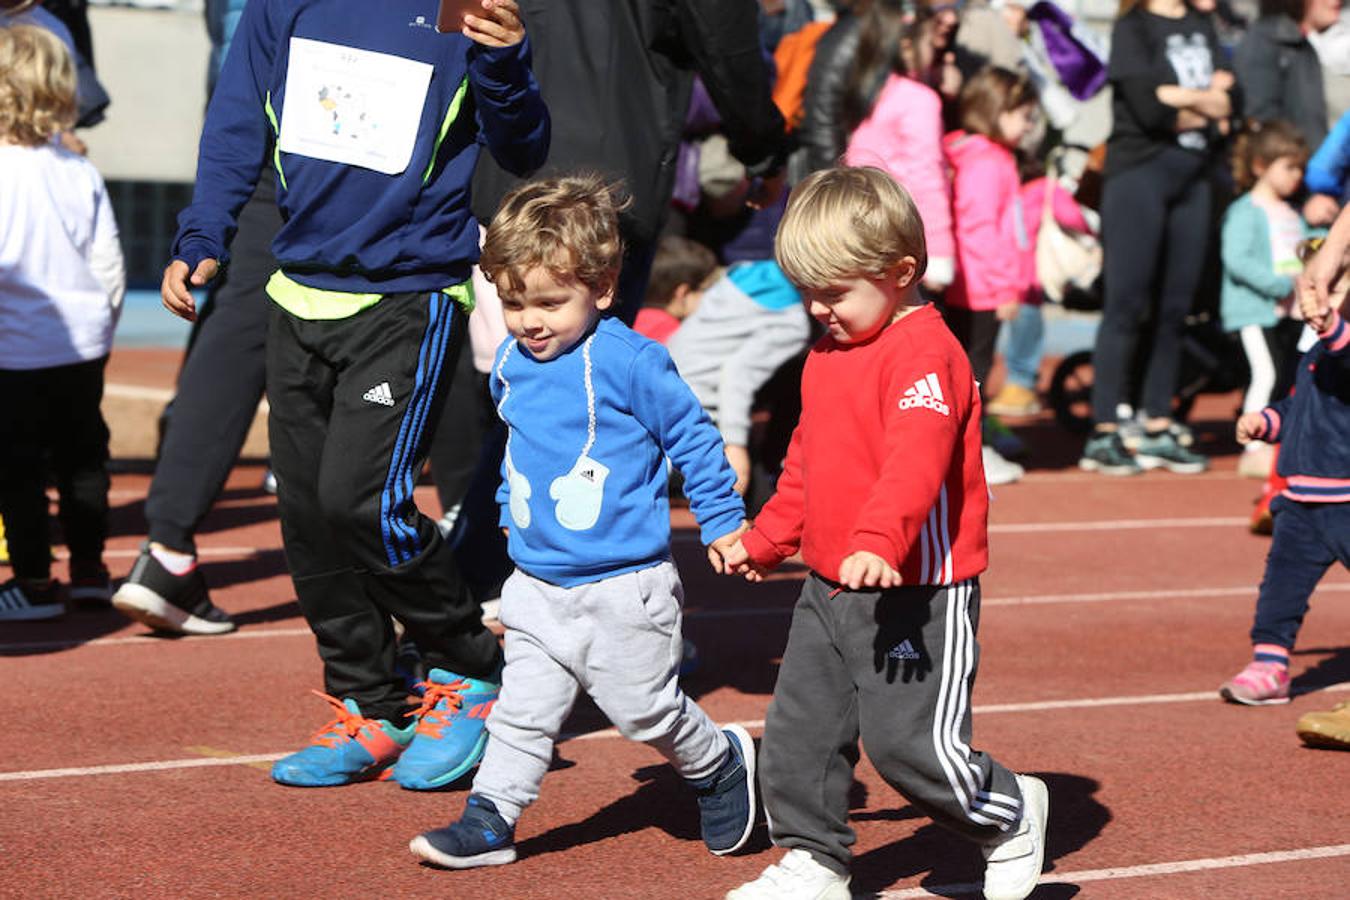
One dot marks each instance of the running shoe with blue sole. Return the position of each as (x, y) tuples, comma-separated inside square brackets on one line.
[(451, 731), (349, 749)]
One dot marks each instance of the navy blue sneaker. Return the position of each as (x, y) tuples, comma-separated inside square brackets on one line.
[(481, 837), (726, 799)]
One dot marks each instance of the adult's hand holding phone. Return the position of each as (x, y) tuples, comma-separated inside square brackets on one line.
[(498, 24)]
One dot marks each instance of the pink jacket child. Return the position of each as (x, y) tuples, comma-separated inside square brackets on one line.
[(991, 236), (902, 135)]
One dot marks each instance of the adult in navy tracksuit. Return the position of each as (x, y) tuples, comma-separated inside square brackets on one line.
[(378, 121)]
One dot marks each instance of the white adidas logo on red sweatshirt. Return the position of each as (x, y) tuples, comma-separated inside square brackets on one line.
[(926, 394)]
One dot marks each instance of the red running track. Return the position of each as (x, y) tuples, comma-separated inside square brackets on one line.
[(135, 766)]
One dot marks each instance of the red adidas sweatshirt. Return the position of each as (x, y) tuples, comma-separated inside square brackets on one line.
[(886, 458)]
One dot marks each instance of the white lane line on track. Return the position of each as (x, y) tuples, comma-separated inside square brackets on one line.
[(209, 552), (698, 615), (1073, 475), (1171, 868), (689, 537), (167, 765), (1042, 599), (1120, 525), (137, 392), (610, 733)]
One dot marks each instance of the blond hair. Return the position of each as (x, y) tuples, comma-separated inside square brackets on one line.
[(37, 85), (849, 223), (568, 224)]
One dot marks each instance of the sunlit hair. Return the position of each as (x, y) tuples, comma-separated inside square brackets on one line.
[(988, 94), (848, 223), (37, 85), (568, 225), (1262, 143)]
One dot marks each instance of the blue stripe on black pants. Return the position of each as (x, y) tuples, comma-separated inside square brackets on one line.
[(353, 405), (1308, 538)]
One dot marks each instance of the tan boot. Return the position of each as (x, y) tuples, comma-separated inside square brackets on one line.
[(1014, 400), (1330, 730)]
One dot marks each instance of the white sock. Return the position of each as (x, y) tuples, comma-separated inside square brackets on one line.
[(177, 563)]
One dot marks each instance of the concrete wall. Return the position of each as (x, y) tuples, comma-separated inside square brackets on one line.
[(153, 64)]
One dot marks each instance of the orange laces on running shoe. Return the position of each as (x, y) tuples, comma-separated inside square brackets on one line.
[(432, 720), (345, 727)]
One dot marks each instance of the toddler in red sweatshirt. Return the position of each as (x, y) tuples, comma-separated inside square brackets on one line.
[(883, 493)]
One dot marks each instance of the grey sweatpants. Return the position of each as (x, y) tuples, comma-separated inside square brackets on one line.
[(618, 639), (895, 668)]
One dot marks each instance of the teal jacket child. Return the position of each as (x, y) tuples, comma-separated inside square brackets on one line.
[(1253, 283)]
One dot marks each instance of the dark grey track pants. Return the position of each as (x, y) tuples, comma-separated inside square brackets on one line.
[(894, 668)]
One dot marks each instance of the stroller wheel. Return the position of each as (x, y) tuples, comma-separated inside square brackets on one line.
[(1071, 392)]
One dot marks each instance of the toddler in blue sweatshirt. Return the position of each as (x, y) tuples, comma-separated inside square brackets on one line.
[(593, 411)]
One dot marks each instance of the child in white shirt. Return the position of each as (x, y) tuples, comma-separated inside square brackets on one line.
[(61, 286)]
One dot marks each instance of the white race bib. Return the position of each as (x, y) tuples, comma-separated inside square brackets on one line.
[(351, 106)]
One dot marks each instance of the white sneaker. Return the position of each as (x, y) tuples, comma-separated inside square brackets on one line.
[(998, 470), (797, 876), (1013, 867)]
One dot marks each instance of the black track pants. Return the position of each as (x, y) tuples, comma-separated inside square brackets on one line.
[(354, 404)]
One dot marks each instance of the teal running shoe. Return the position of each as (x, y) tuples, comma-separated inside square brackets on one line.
[(348, 749), (451, 731)]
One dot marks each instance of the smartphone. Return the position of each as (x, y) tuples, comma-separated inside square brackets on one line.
[(450, 17)]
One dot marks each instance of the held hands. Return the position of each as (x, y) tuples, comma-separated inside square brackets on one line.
[(729, 556), (727, 545), (861, 569), (500, 26), (1322, 286), (1249, 426), (1007, 312), (174, 292)]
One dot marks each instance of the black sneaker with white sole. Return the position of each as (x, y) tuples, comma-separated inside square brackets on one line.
[(1105, 453), (154, 596), (20, 601)]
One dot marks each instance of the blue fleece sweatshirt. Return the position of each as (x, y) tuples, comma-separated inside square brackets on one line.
[(585, 497), (349, 228)]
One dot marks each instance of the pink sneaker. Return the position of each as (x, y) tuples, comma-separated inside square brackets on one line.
[(1260, 684)]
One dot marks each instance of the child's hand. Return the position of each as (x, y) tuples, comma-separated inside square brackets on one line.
[(1250, 426), (499, 26), (734, 558), (1314, 309), (739, 458), (862, 569), (173, 290), (729, 543), (1008, 311)]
